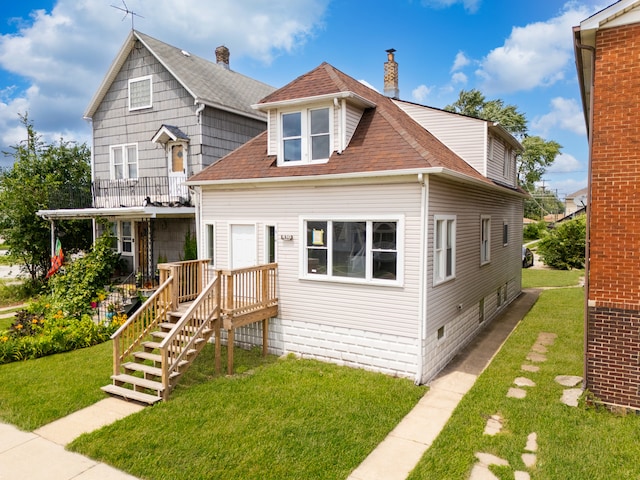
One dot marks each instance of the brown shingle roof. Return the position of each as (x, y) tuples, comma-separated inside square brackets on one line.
[(386, 138)]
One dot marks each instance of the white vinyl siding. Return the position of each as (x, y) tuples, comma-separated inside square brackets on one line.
[(466, 136), (372, 307)]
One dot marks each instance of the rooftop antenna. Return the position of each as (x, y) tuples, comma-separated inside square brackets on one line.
[(127, 12)]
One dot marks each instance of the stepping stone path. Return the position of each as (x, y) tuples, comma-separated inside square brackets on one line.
[(570, 396)]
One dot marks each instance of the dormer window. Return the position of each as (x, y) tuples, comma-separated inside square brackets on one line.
[(140, 93), (306, 136)]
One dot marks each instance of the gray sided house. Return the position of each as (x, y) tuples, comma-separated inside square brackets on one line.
[(160, 115), (396, 228)]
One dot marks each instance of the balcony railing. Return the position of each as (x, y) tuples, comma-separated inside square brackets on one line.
[(134, 192), (106, 193)]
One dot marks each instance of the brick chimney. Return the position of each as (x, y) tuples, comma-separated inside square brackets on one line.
[(391, 76), (222, 56)]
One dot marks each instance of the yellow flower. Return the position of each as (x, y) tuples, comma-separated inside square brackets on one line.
[(19, 326), (4, 339), (34, 321)]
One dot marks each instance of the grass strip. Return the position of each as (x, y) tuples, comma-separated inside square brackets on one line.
[(290, 419), (574, 443), (37, 392), (539, 278)]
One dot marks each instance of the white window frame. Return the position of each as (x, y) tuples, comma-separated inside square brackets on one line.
[(505, 233), (485, 239), (117, 231), (267, 247), (368, 279), (126, 161), (138, 80), (305, 136), (441, 245), (506, 167), (210, 243)]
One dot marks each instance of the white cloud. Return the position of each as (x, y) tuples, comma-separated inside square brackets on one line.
[(565, 113), (566, 163), (535, 55), (470, 6), (58, 58), (460, 61), (421, 93), (459, 77)]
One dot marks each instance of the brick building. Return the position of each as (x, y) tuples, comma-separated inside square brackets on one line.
[(607, 49)]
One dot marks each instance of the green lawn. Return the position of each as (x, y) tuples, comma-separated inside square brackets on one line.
[(291, 419), (536, 278), (36, 392), (574, 443)]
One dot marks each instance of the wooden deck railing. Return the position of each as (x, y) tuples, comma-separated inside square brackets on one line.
[(233, 298), (190, 334), (189, 278), (248, 289), (134, 331)]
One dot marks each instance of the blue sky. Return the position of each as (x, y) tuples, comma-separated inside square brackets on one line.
[(54, 53)]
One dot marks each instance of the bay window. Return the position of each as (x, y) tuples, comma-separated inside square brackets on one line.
[(362, 250)]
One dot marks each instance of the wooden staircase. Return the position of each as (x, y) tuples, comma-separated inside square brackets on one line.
[(162, 339)]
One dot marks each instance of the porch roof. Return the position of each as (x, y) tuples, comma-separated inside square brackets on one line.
[(122, 212)]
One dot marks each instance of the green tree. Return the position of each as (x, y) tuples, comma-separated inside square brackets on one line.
[(538, 153), (41, 176), (564, 247)]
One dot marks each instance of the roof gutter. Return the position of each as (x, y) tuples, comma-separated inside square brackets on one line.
[(356, 175), (589, 119)]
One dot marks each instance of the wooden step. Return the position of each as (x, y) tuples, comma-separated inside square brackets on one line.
[(151, 345), (129, 394), (148, 369), (138, 382), (154, 357)]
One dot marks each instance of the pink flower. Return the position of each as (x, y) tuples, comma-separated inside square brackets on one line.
[(94, 305)]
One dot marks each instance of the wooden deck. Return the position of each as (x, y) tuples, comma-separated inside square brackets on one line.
[(193, 303)]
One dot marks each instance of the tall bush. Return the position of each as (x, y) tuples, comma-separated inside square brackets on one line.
[(564, 247)]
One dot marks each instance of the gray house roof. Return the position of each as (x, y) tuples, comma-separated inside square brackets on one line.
[(208, 83)]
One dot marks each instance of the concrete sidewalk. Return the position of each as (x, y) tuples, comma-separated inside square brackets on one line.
[(41, 455)]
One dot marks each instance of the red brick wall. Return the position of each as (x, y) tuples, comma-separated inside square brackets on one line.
[(612, 356), (615, 205), (613, 339)]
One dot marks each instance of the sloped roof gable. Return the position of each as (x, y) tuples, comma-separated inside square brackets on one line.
[(386, 138), (208, 82)]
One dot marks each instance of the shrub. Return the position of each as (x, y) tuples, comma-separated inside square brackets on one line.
[(73, 290), (564, 247), (61, 320), (534, 231)]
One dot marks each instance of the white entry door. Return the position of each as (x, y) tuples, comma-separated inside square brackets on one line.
[(243, 246)]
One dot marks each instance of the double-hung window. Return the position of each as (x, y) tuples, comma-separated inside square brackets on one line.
[(140, 93), (124, 161), (444, 251), (358, 250), (485, 239), (306, 136), (122, 234)]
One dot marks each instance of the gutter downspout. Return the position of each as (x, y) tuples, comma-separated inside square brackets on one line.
[(422, 300), (199, 109), (588, 206)]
